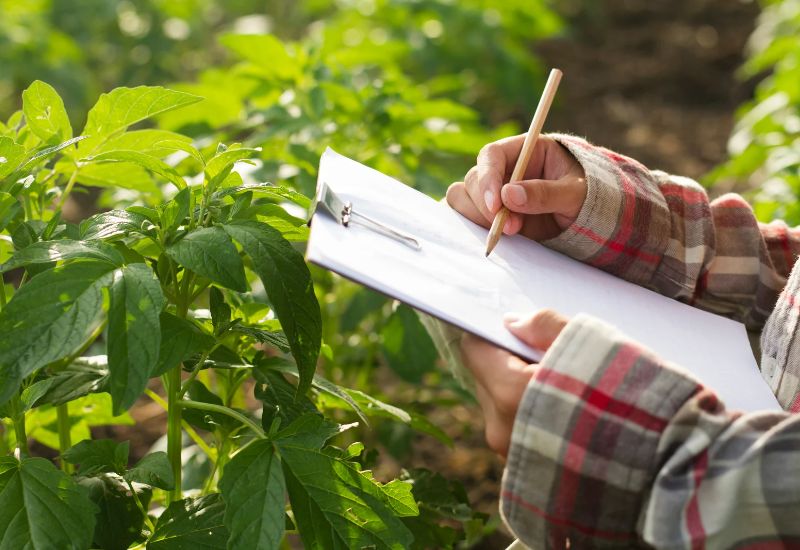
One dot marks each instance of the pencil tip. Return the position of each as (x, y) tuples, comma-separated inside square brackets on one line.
[(487, 253)]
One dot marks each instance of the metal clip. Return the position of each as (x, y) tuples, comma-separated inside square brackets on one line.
[(344, 214)]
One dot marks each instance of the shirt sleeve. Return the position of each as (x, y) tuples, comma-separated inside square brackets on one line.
[(661, 232), (613, 447)]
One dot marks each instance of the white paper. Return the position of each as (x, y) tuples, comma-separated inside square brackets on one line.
[(450, 278)]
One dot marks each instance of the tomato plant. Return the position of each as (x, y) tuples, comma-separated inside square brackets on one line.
[(196, 296)]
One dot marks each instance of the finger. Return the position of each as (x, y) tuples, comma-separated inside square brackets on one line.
[(481, 358), (460, 201), (538, 330), (564, 196)]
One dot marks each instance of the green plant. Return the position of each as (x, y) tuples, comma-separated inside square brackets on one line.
[(203, 303), (764, 147)]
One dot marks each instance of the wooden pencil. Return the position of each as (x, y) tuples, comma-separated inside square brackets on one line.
[(525, 154)]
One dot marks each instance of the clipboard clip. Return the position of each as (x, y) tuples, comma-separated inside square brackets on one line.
[(344, 214)]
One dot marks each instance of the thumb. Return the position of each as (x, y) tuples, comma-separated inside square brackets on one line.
[(538, 330), (562, 196)]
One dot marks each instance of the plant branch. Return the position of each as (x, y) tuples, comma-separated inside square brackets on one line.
[(196, 370), (191, 432), (211, 407), (18, 418), (139, 505)]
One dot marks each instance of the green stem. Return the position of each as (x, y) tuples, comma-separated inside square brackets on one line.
[(147, 519), (174, 443), (212, 455), (64, 440), (68, 189), (18, 418), (211, 407), (3, 299)]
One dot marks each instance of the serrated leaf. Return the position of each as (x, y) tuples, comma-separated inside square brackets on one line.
[(180, 339), (154, 470), (119, 520), (149, 162), (191, 524), (337, 507), (49, 318), (41, 507), (286, 279), (97, 456), (57, 251), (271, 191), (45, 113), (221, 164), (280, 399), (254, 493), (209, 252), (11, 156), (114, 223), (134, 332), (122, 107)]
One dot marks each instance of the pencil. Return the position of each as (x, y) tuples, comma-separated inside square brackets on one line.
[(525, 154)]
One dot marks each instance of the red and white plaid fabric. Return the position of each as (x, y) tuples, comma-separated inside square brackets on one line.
[(613, 447)]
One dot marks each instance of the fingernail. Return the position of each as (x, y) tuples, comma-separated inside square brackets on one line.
[(511, 318), (488, 197), (516, 195)]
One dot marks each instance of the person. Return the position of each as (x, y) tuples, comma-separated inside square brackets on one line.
[(607, 445)]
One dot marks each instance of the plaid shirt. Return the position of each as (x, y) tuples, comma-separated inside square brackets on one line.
[(612, 446)]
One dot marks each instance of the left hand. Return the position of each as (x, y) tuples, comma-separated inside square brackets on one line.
[(501, 378)]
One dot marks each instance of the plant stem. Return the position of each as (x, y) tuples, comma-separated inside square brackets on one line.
[(147, 519), (212, 455), (18, 418), (189, 404), (64, 440), (174, 443), (3, 300), (68, 188), (196, 370)]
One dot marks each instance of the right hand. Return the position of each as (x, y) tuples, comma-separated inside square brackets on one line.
[(541, 206)]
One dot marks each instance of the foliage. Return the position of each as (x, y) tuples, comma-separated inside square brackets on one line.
[(764, 146), (199, 283)]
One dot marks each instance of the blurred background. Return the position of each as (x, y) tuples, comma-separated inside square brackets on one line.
[(703, 88)]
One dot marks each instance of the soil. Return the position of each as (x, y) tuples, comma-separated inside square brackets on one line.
[(653, 80)]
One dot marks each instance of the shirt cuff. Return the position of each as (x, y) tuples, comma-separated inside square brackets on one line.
[(624, 224), (584, 445)]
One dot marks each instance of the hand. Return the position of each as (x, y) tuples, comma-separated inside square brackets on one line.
[(545, 203), (501, 378)]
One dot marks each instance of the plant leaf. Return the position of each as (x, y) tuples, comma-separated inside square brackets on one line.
[(180, 339), (175, 211), (154, 470), (57, 251), (9, 208), (155, 142), (119, 520), (49, 318), (151, 163), (337, 507), (254, 493), (134, 332), (97, 456), (45, 113), (290, 290), (407, 345), (209, 252), (11, 155), (111, 224), (191, 524), (41, 507), (122, 107), (84, 376)]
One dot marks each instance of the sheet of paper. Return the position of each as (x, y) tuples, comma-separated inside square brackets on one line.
[(450, 278)]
